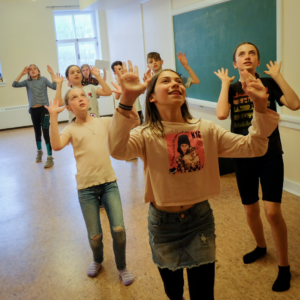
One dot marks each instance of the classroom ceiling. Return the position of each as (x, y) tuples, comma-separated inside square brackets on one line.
[(36, 3), (106, 4), (97, 5)]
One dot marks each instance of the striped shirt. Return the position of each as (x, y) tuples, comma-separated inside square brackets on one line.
[(36, 90)]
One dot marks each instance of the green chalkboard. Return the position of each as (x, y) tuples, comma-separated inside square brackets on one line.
[(209, 36)]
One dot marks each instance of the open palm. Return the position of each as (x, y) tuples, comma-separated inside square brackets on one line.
[(58, 78), (25, 71), (54, 108), (273, 68), (254, 88), (50, 70), (118, 89), (182, 58), (95, 71), (223, 75), (130, 83)]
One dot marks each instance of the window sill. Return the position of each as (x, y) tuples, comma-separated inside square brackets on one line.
[(2, 83)]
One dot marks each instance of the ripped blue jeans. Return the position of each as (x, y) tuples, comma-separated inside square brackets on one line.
[(182, 240), (89, 200)]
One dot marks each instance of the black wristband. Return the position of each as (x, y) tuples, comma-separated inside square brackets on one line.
[(125, 107)]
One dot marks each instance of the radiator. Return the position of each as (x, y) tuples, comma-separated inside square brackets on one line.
[(18, 116)]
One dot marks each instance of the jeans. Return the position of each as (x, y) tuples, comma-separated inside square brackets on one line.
[(182, 240), (89, 200)]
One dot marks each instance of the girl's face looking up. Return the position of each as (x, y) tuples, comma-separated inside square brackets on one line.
[(86, 72), (246, 57), (33, 71), (169, 90), (77, 101), (75, 76)]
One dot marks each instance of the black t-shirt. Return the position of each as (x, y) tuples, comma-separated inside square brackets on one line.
[(241, 111)]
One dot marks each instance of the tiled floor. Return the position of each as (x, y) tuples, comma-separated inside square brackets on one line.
[(44, 251)]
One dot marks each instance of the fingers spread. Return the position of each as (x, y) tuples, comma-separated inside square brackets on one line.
[(118, 72), (124, 68), (130, 67)]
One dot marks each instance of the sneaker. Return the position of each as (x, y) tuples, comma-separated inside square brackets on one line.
[(39, 156), (49, 163)]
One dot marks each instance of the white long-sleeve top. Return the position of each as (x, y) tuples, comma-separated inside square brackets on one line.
[(182, 167)]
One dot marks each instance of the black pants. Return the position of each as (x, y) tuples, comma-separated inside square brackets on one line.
[(201, 282), (41, 119)]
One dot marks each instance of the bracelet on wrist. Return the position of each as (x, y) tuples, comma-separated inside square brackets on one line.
[(125, 107)]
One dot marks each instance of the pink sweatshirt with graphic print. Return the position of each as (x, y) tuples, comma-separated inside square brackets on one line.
[(182, 168)]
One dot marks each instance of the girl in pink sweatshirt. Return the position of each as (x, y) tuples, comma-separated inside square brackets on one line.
[(180, 156)]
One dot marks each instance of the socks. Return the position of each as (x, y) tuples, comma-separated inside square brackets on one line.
[(93, 269), (49, 149), (126, 276), (254, 255), (282, 283), (39, 145)]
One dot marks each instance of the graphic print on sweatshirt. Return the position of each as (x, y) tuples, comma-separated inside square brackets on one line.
[(186, 152), (243, 110)]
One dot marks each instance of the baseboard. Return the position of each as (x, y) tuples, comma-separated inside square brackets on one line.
[(291, 187)]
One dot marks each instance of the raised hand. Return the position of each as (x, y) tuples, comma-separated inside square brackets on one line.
[(130, 83), (273, 69), (50, 70), (182, 58), (59, 79), (54, 108), (117, 79), (104, 74), (118, 89), (255, 90), (25, 71), (223, 75), (95, 71), (148, 75)]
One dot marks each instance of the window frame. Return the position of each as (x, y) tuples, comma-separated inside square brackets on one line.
[(76, 41)]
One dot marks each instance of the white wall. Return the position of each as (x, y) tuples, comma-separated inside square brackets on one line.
[(158, 31), (125, 36), (30, 39)]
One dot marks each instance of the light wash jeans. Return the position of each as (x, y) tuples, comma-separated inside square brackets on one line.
[(89, 200)]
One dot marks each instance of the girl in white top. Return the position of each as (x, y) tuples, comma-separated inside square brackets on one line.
[(181, 223), (74, 76), (95, 176)]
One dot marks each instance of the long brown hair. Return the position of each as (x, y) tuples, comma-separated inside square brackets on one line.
[(247, 43), (152, 117), (39, 75), (68, 69), (86, 65)]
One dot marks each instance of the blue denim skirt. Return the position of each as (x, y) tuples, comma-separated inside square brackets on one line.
[(182, 240)]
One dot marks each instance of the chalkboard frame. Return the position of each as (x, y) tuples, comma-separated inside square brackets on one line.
[(206, 3)]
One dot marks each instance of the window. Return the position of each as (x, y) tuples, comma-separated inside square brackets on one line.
[(1, 76), (76, 38)]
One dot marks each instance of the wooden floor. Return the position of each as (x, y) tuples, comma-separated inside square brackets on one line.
[(44, 251)]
